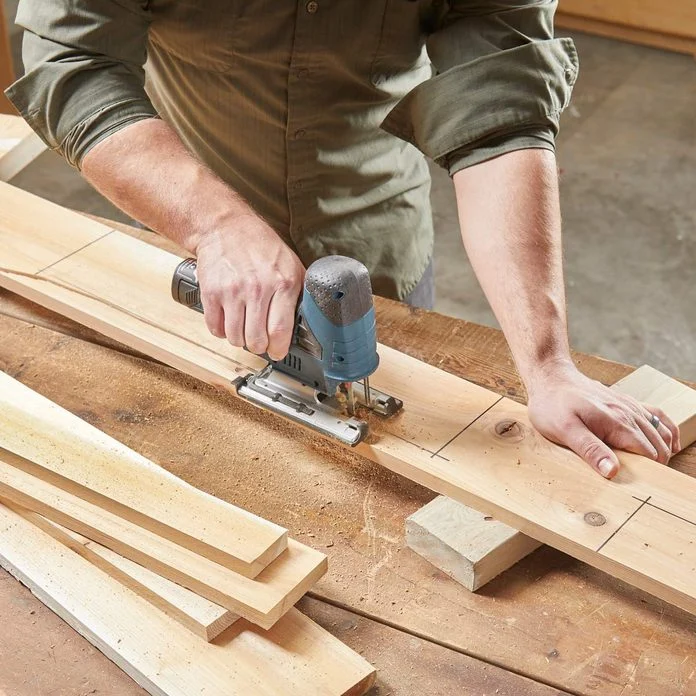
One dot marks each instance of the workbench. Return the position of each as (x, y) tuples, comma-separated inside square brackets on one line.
[(550, 625)]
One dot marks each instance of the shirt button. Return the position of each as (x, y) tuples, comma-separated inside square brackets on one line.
[(297, 185), (300, 133), (312, 6), (302, 74)]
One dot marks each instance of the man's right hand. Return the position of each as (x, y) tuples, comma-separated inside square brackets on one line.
[(250, 283)]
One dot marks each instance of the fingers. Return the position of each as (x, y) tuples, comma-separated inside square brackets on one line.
[(588, 446), (666, 425), (214, 315), (661, 440), (235, 315), (256, 320), (281, 321)]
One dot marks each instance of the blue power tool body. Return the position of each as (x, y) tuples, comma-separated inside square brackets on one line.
[(332, 354)]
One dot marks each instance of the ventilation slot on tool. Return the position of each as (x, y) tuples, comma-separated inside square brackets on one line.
[(193, 297), (293, 362)]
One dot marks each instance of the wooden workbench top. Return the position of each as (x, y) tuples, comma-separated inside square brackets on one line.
[(550, 625)]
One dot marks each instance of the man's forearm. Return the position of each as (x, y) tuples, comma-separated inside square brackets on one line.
[(146, 171), (250, 279), (511, 227)]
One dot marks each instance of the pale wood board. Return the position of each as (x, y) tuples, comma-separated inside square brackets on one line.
[(263, 600), (473, 548), (202, 617), (519, 477), (296, 657), (19, 145), (77, 456)]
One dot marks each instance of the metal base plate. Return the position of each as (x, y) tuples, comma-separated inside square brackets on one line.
[(286, 396)]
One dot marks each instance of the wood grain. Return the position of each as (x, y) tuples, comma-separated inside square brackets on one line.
[(83, 460), (263, 600), (473, 548), (202, 617), (517, 476), (296, 657)]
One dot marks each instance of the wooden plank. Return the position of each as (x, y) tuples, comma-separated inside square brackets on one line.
[(6, 69), (202, 617), (551, 617), (473, 548), (676, 18), (470, 454), (19, 146), (263, 600), (644, 37), (470, 547), (83, 460), (166, 659)]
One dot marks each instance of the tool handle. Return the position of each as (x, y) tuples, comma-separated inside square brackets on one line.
[(185, 288)]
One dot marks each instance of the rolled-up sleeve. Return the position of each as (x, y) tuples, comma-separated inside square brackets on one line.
[(500, 83), (84, 77)]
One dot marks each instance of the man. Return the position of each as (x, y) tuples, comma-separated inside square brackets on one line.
[(264, 134)]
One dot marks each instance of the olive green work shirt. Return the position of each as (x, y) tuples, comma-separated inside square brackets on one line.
[(318, 112)]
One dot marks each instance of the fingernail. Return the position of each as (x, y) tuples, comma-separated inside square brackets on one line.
[(606, 467)]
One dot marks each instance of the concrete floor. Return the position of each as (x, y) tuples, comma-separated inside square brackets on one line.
[(627, 153)]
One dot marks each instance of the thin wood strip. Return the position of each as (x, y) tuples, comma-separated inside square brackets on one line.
[(514, 475), (80, 458), (263, 600), (202, 617), (295, 658)]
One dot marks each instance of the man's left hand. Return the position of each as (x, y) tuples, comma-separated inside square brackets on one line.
[(573, 410)]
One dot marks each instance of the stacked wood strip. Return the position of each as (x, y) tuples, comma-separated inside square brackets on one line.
[(204, 618), (295, 658), (77, 457)]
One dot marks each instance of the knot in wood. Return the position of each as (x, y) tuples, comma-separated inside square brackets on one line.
[(509, 429), (595, 519)]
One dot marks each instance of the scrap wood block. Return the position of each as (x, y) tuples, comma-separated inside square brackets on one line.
[(470, 547), (201, 616), (263, 600), (473, 548), (76, 456), (481, 451), (294, 658)]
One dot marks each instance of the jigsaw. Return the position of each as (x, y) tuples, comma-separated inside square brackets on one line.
[(325, 377)]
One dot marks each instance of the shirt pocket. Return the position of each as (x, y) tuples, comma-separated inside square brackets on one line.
[(401, 47), (200, 32)]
